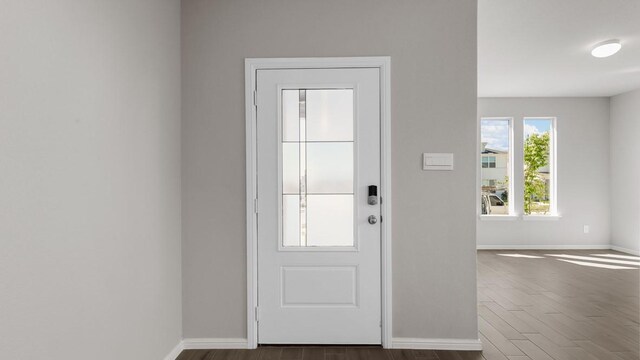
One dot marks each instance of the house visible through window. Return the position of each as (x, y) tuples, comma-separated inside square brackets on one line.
[(496, 165)]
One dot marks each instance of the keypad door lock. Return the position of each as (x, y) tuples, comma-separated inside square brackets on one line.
[(373, 195)]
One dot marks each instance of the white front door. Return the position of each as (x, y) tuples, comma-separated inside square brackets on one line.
[(318, 136)]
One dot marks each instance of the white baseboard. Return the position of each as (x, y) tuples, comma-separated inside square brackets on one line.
[(397, 343), (558, 247), (214, 343), (173, 354), (437, 344), (543, 247), (625, 250), (203, 344)]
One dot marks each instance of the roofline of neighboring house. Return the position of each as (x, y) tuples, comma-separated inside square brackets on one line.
[(493, 151)]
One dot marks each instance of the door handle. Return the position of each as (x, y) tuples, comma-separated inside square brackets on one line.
[(372, 219)]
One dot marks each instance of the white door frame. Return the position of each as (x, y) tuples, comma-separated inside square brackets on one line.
[(251, 66)]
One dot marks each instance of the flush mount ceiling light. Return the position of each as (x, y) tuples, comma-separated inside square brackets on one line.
[(606, 48)]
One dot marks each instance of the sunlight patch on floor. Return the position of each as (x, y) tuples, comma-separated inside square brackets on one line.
[(626, 257), (602, 261), (603, 266), (522, 256), (599, 259)]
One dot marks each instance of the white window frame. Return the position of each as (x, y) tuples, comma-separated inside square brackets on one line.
[(553, 169), (512, 215)]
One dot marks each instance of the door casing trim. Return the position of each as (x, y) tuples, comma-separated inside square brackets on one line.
[(252, 65)]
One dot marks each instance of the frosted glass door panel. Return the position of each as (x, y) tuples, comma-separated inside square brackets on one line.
[(317, 157), (290, 168), (330, 115), (330, 220), (291, 220), (290, 115), (330, 168)]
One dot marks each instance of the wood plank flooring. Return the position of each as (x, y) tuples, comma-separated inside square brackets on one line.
[(559, 305), (532, 305)]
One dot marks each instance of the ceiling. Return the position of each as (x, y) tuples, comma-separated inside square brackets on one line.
[(543, 47)]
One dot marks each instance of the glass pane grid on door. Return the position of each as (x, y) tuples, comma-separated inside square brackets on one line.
[(317, 145)]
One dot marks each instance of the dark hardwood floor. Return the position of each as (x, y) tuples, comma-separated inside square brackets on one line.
[(326, 353), (532, 305)]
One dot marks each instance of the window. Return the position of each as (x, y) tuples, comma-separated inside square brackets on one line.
[(489, 162), (539, 166), (496, 166), (317, 167)]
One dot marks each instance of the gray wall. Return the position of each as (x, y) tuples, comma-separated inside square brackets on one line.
[(433, 50), (583, 173), (90, 184), (625, 171)]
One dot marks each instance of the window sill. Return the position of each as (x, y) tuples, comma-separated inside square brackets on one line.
[(541, 217), (499, 217)]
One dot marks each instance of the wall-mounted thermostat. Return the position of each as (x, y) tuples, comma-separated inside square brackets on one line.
[(437, 161)]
